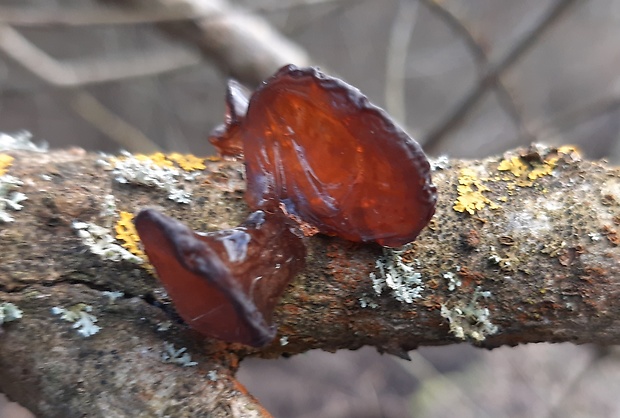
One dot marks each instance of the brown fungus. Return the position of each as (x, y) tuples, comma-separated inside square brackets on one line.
[(225, 284)]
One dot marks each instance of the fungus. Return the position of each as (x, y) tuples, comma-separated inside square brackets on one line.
[(318, 156), (334, 160), (225, 284), (226, 138)]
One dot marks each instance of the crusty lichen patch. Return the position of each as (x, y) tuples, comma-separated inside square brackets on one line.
[(9, 312), (9, 198), (470, 190), (5, 162), (470, 320), (170, 172), (80, 315), (396, 275), (127, 234)]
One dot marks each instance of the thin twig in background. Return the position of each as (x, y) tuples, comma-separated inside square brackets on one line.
[(85, 72), (396, 59), (108, 123), (73, 77), (550, 129), (505, 98), (21, 16), (468, 103), (243, 45)]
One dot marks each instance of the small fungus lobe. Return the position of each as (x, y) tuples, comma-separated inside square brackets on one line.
[(226, 138), (337, 162), (225, 284)]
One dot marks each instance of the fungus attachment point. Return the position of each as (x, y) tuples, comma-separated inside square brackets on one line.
[(226, 138), (337, 162), (225, 284)]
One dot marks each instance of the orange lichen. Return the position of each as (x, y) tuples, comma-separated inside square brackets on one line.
[(5, 162), (471, 189), (127, 234)]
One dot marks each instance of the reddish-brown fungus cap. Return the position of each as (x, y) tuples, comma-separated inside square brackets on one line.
[(335, 160), (224, 284), (226, 138)]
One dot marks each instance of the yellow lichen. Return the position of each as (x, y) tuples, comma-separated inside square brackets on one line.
[(540, 170), (470, 191), (159, 158), (526, 172), (127, 234), (514, 165), (5, 162), (187, 162)]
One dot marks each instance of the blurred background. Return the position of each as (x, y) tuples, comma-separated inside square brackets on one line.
[(466, 79)]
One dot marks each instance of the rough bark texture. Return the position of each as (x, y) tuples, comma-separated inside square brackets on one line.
[(537, 260)]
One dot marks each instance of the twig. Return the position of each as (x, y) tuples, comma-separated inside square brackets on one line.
[(244, 46), (81, 73), (469, 102), (397, 52), (482, 60)]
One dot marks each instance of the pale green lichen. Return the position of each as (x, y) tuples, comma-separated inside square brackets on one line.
[(470, 320), (20, 140), (397, 276), (453, 280), (9, 312), (9, 198), (100, 241), (174, 356), (113, 295), (167, 172), (80, 315)]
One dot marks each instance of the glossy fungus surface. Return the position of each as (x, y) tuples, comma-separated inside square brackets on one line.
[(334, 160), (226, 138), (225, 284)]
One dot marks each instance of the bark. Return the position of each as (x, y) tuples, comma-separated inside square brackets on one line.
[(537, 261)]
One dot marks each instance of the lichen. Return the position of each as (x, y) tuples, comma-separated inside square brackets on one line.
[(101, 242), (526, 170), (158, 170), (453, 280), (20, 140), (80, 315), (174, 356), (394, 273), (9, 198), (9, 312), (126, 233), (113, 295), (470, 320), (470, 190), (5, 162)]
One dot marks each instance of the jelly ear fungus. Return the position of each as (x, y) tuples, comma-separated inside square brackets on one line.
[(225, 284), (318, 155), (336, 161), (226, 138)]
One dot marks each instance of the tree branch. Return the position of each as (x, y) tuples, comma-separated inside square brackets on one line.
[(537, 260)]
